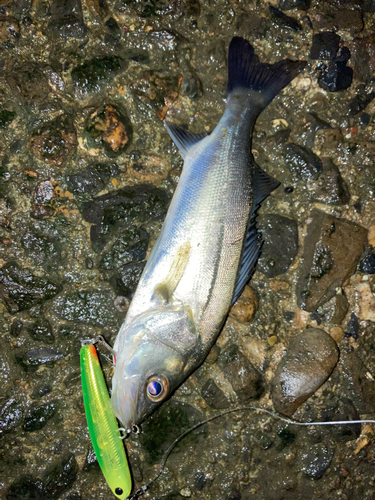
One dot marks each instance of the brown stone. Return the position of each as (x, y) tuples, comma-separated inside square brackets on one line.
[(9, 29), (307, 364), (245, 307), (332, 248)]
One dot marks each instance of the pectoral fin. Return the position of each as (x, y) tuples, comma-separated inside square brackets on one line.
[(184, 139)]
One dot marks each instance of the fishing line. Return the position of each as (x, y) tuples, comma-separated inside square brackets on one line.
[(272, 414)]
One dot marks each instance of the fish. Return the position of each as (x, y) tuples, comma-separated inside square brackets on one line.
[(207, 248), (104, 432)]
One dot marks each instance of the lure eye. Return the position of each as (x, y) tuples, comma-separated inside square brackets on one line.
[(119, 491), (157, 387)]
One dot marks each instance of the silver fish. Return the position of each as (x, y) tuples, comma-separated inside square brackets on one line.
[(208, 246)]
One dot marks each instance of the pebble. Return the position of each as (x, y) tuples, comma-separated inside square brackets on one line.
[(214, 396), (335, 309), (272, 340), (186, 492), (371, 235), (324, 45), (315, 460), (245, 307), (337, 333), (308, 362), (367, 263), (31, 359), (283, 21), (338, 76), (302, 162), (366, 301)]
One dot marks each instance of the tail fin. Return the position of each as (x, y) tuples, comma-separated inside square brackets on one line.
[(245, 70)]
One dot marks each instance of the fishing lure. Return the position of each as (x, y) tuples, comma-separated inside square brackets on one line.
[(102, 424)]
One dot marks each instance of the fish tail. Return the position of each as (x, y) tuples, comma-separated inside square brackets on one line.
[(246, 71)]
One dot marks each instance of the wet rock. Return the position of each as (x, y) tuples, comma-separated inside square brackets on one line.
[(324, 45), (130, 247), (44, 193), (332, 248), (302, 162), (117, 211), (109, 128), (352, 328), (41, 246), (93, 179), (245, 307), (246, 381), (214, 396), (338, 76), (367, 263), (16, 328), (26, 487), (283, 21), (355, 383), (11, 413), (126, 280), (42, 331), (280, 236), (20, 289), (90, 307), (98, 7), (60, 477), (165, 425), (156, 90), (6, 118), (337, 16), (330, 188), (360, 102), (191, 86), (55, 141), (308, 362), (29, 84), (91, 462), (113, 28), (342, 409), (9, 30), (327, 140), (315, 461), (66, 19), (366, 301), (31, 359), (93, 75), (37, 416), (40, 391), (294, 4), (335, 309)]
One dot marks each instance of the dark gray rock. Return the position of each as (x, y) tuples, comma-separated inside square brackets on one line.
[(90, 307), (352, 328), (308, 362), (355, 383), (315, 461), (332, 248), (60, 477), (360, 102), (42, 331), (20, 289), (324, 45), (294, 4), (37, 416), (117, 211), (338, 76), (214, 396), (16, 328), (280, 247), (6, 118), (367, 263), (91, 462), (283, 21), (246, 381), (66, 19), (126, 280), (330, 188), (93, 179), (93, 75), (31, 359), (130, 247), (11, 413), (342, 409), (26, 488), (302, 162)]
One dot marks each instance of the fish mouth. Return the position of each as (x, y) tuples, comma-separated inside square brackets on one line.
[(124, 403)]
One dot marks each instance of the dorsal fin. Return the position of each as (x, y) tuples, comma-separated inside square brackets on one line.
[(263, 185), (183, 138)]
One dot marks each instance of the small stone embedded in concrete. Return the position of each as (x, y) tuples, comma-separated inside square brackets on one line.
[(335, 309), (367, 263), (94, 74), (283, 21), (31, 359), (366, 301), (126, 279), (315, 461), (245, 307), (66, 19), (55, 141), (332, 248), (9, 31), (30, 84), (42, 331), (338, 76), (91, 462), (352, 328), (21, 290), (360, 102), (93, 179), (337, 333), (302, 162), (108, 127), (11, 414), (337, 16), (37, 416), (214, 396), (246, 381), (330, 188), (294, 4), (324, 45), (16, 327), (308, 362), (280, 247), (131, 246), (6, 117), (342, 409), (60, 477)]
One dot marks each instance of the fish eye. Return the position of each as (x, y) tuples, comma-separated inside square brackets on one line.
[(119, 491), (157, 387)]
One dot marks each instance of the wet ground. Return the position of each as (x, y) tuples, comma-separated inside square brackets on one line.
[(87, 172)]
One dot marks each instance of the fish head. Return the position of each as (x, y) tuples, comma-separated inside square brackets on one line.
[(151, 363)]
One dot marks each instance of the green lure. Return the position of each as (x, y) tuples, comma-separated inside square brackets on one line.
[(102, 424)]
